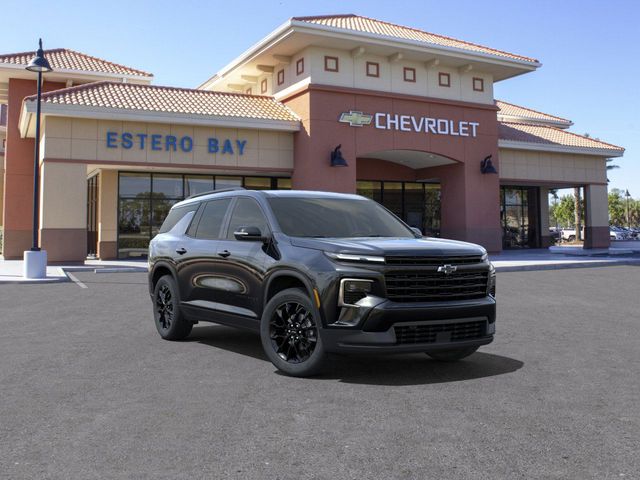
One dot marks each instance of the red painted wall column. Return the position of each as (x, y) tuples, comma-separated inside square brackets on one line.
[(18, 179)]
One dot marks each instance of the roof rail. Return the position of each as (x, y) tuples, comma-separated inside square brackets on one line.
[(230, 189)]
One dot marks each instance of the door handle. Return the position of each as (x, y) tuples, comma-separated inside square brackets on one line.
[(181, 251), (224, 253)]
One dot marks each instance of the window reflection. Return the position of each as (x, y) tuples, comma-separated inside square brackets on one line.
[(145, 200)]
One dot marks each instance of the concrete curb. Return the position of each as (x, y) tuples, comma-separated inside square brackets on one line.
[(119, 269), (564, 266)]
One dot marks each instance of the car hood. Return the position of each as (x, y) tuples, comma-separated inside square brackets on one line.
[(391, 246)]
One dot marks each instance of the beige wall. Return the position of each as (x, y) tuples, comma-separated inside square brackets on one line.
[(81, 139), (63, 195), (597, 205), (551, 167), (108, 206), (352, 73)]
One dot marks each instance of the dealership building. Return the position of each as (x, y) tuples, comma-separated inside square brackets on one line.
[(411, 114)]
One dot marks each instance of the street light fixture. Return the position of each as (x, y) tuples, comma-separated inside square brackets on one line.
[(627, 195), (35, 260)]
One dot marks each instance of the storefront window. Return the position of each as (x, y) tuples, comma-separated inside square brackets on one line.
[(133, 184), (194, 184), (432, 209), (134, 229), (414, 204), (372, 190), (227, 182), (417, 203), (257, 183), (145, 200), (392, 197), (167, 186), (283, 183)]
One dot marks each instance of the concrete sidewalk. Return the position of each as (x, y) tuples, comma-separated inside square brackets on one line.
[(11, 270), (507, 261), (558, 258)]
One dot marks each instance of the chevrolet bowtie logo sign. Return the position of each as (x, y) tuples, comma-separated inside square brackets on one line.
[(447, 269), (356, 119)]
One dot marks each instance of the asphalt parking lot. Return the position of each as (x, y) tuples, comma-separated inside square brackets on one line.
[(89, 390)]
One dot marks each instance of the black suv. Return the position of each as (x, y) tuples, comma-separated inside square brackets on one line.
[(315, 273)]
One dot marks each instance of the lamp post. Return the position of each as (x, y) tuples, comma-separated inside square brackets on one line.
[(35, 260), (627, 195)]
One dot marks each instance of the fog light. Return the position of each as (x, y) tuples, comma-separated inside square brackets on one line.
[(352, 290)]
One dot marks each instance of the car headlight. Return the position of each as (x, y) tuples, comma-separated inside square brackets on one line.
[(491, 284), (348, 257), (352, 290), (485, 257)]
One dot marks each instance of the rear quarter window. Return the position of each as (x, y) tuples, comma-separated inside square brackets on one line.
[(175, 215)]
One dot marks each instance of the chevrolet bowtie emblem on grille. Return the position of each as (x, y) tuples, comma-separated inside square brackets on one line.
[(447, 269), (356, 119)]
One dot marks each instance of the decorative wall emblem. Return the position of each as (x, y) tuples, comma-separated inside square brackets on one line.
[(356, 119)]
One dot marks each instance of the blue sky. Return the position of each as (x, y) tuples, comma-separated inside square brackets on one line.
[(588, 49)]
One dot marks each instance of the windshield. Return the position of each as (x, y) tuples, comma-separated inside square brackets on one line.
[(336, 218)]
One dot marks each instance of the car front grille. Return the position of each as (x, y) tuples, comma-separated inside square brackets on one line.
[(433, 286), (432, 261), (440, 333)]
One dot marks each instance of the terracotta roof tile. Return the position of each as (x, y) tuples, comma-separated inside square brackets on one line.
[(378, 27), (65, 59), (170, 100), (511, 110), (547, 135)]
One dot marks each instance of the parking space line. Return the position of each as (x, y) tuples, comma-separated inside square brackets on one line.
[(75, 280)]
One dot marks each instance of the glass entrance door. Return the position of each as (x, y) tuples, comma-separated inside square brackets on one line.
[(92, 216), (519, 217)]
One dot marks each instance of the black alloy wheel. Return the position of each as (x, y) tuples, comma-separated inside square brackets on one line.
[(293, 332), (164, 307), (170, 322), (290, 331)]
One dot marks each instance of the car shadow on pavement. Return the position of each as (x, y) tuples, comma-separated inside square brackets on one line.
[(416, 369), (392, 370)]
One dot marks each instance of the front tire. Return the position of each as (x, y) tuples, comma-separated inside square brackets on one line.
[(289, 331), (452, 354), (170, 321)]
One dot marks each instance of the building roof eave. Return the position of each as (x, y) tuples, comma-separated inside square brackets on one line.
[(544, 147), (291, 26), (129, 115)]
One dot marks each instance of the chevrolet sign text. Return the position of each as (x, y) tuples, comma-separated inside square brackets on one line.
[(437, 126)]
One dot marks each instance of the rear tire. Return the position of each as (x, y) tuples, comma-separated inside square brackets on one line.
[(453, 354), (170, 322), (289, 331)]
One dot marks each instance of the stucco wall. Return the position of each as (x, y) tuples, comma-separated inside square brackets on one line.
[(352, 73), (82, 139), (551, 167)]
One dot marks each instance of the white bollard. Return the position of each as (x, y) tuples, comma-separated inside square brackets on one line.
[(35, 264)]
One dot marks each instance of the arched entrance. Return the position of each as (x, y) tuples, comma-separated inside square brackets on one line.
[(402, 181)]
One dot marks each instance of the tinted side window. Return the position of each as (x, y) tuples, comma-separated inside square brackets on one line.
[(175, 215), (211, 219), (247, 213)]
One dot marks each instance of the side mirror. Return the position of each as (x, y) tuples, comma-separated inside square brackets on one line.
[(249, 234), (417, 232)]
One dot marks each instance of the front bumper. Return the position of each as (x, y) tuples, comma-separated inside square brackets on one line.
[(386, 326)]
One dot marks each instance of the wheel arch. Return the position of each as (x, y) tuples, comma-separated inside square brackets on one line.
[(283, 279), (160, 269)]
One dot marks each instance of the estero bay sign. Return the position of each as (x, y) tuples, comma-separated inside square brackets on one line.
[(411, 123), (171, 143)]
